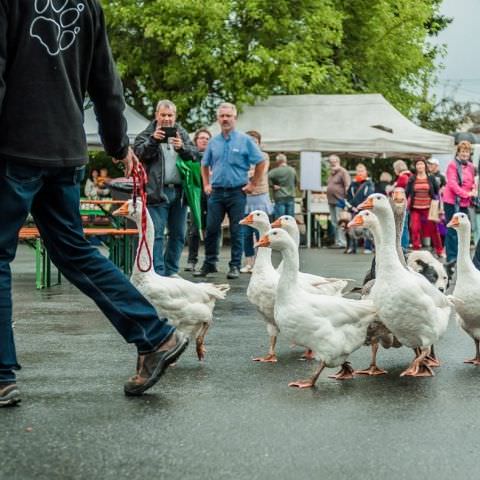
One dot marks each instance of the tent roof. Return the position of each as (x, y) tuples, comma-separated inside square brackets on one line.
[(136, 123), (357, 124)]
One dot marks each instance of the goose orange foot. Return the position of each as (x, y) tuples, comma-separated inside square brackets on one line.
[(270, 358), (473, 361), (373, 370), (201, 351), (418, 370), (432, 361), (302, 384), (346, 373)]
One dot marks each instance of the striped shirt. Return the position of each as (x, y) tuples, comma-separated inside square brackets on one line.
[(422, 197)]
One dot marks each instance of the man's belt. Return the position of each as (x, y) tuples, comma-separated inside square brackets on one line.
[(226, 189)]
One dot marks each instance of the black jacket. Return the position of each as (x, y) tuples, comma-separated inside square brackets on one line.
[(150, 153), (433, 188), (49, 60), (359, 191)]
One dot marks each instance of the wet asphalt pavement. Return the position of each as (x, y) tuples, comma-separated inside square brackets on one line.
[(228, 418)]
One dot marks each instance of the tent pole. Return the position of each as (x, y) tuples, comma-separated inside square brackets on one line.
[(309, 220)]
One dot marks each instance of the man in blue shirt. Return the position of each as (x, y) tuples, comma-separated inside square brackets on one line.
[(225, 166)]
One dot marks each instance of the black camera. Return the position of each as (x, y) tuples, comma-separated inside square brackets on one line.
[(170, 132)]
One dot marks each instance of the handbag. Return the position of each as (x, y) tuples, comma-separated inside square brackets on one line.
[(434, 211)]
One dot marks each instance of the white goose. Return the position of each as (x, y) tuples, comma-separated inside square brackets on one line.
[(409, 306), (466, 294), (262, 287), (263, 282), (187, 305), (378, 334), (333, 327)]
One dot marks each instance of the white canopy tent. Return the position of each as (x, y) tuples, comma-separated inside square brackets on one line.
[(136, 123), (352, 124)]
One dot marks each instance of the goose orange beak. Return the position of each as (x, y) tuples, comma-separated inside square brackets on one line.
[(366, 205), (357, 221), (122, 211), (263, 242), (248, 220), (454, 222), (277, 223)]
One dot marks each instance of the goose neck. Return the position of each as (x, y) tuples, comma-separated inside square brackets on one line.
[(387, 256), (289, 272), (464, 261), (399, 216), (263, 259), (261, 228)]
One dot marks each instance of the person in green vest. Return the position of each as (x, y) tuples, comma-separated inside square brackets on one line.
[(283, 181)]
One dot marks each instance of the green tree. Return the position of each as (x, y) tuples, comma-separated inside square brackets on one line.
[(446, 115), (199, 53), (386, 48)]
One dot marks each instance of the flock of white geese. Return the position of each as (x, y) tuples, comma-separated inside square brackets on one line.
[(399, 306)]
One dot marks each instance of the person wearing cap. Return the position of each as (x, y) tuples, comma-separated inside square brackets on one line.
[(434, 171), (458, 193)]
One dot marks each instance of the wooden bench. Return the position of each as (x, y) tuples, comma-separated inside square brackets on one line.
[(121, 246)]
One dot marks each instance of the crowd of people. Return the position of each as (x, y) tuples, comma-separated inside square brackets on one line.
[(238, 179), (433, 199)]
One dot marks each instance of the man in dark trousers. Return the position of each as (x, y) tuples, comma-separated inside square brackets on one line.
[(166, 202), (48, 63), (225, 166)]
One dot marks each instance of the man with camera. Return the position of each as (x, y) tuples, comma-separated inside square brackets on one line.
[(158, 147)]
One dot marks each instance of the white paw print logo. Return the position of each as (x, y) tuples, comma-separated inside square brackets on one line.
[(55, 24)]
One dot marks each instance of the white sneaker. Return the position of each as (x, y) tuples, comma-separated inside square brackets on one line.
[(246, 269), (367, 251)]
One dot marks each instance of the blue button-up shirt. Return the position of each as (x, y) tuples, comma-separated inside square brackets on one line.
[(230, 159)]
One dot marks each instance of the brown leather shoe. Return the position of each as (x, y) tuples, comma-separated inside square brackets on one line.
[(151, 366), (9, 394)]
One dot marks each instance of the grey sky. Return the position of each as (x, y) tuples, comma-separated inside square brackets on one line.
[(461, 76)]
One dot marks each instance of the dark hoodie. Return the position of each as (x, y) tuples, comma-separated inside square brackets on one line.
[(51, 54)]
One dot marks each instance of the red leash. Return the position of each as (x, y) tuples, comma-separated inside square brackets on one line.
[(139, 190)]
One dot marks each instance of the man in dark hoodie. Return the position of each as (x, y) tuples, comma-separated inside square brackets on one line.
[(158, 146), (51, 55)]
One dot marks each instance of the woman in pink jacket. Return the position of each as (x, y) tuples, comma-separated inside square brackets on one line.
[(458, 192)]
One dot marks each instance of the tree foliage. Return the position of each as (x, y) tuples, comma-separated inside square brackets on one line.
[(446, 115), (198, 53)]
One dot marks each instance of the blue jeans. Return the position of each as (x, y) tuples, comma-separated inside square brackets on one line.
[(230, 201), (476, 256), (451, 240), (250, 235), (172, 215), (405, 240), (52, 195), (284, 208)]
